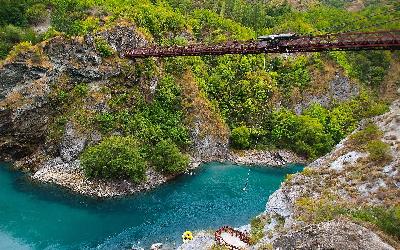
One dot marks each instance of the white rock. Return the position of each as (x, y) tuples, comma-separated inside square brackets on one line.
[(279, 204), (349, 158), (72, 143), (201, 241), (156, 246)]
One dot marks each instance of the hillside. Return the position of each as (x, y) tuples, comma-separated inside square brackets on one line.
[(74, 113)]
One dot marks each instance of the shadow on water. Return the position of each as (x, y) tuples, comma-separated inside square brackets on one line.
[(45, 216)]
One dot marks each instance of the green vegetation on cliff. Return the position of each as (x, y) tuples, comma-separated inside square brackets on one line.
[(255, 95)]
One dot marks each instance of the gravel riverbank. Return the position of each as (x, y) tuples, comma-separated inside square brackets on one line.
[(71, 176)]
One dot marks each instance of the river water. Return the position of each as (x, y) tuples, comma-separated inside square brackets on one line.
[(36, 216)]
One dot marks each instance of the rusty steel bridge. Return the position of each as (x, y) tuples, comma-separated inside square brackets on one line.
[(350, 41)]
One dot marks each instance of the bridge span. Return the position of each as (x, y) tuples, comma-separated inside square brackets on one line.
[(349, 41)]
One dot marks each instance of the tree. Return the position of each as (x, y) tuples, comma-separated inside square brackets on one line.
[(168, 159), (115, 157), (240, 137)]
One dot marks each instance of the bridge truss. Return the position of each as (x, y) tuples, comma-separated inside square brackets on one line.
[(350, 41)]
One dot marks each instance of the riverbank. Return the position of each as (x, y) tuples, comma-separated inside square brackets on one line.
[(71, 176)]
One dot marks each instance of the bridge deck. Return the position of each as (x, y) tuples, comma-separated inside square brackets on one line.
[(380, 40)]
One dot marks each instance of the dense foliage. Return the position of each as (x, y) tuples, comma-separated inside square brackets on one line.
[(241, 137), (167, 158), (115, 157), (156, 129)]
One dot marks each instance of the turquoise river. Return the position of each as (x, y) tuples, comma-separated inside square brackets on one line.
[(36, 216)]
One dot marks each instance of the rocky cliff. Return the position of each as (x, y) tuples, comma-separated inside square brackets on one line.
[(347, 178), (50, 90), (30, 83), (320, 208)]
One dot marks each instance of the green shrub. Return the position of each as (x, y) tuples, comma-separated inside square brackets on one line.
[(342, 122), (240, 137), (50, 33), (168, 159), (36, 13), (12, 12), (283, 124), (81, 89), (107, 121), (257, 230), (215, 246), (378, 150), (310, 138), (62, 96), (376, 109), (325, 209), (20, 48), (265, 246), (11, 35), (362, 137), (88, 25), (66, 15), (387, 219), (103, 47), (115, 157)]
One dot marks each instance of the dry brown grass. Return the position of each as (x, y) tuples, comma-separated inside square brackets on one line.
[(14, 99), (320, 78), (355, 6), (199, 110), (389, 86)]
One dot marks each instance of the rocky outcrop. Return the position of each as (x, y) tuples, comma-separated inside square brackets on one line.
[(27, 80), (340, 89), (338, 173), (70, 175), (279, 204), (18, 73), (267, 157), (202, 241), (72, 144), (331, 235), (28, 83), (123, 38), (208, 132)]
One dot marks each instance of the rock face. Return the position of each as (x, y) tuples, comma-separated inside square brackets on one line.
[(202, 241), (331, 235), (270, 157), (349, 158), (279, 204), (22, 129), (338, 173), (72, 144), (27, 83), (340, 89), (18, 73), (120, 39)]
